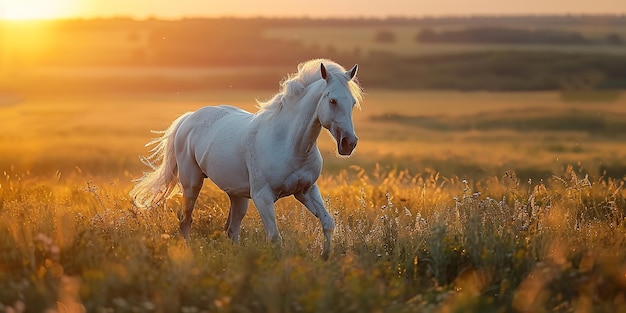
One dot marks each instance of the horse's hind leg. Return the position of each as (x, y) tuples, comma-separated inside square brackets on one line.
[(191, 178), (238, 209)]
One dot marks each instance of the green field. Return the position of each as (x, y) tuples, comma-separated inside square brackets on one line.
[(428, 219), (410, 130), (362, 40)]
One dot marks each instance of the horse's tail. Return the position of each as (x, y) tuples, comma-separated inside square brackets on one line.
[(163, 181)]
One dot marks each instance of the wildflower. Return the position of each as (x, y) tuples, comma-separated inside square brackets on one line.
[(148, 305), (189, 309), (18, 307), (120, 302), (43, 238)]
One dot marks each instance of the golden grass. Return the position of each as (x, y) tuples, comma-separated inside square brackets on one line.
[(402, 243), (405, 241)]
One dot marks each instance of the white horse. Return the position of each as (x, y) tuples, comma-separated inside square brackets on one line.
[(263, 156)]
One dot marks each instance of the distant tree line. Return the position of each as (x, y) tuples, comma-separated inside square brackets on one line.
[(496, 71), (500, 35), (240, 42)]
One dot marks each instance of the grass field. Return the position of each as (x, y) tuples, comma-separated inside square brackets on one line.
[(350, 39), (407, 129), (434, 219)]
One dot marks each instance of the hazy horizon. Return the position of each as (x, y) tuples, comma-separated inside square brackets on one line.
[(142, 9)]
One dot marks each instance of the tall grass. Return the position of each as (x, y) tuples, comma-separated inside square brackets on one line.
[(403, 243)]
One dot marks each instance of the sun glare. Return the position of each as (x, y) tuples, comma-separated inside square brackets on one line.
[(35, 9)]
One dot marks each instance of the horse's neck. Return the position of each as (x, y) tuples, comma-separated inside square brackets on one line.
[(304, 124)]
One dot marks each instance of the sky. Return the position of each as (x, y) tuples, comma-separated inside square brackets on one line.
[(173, 9)]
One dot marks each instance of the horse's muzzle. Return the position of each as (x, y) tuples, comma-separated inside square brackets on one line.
[(346, 144)]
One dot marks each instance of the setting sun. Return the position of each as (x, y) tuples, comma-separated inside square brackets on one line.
[(35, 9)]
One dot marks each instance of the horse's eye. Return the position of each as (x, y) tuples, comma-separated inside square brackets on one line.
[(333, 101)]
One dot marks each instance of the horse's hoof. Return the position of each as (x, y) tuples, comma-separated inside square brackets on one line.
[(325, 255)]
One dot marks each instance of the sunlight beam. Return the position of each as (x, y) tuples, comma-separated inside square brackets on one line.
[(35, 9)]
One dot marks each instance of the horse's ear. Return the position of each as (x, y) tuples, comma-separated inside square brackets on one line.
[(352, 73), (323, 70)]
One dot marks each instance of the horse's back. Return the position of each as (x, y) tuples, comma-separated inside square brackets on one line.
[(210, 115)]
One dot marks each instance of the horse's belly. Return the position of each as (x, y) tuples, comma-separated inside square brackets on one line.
[(222, 159), (228, 177)]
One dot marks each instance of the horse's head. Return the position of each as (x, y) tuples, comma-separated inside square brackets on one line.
[(335, 108)]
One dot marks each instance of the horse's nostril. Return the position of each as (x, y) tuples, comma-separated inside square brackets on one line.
[(345, 143)]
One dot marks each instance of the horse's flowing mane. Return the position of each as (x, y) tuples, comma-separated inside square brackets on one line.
[(293, 87)]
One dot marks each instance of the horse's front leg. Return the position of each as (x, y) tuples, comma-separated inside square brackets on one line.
[(264, 201), (312, 200)]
